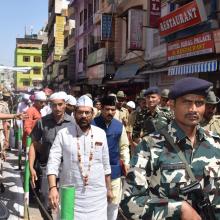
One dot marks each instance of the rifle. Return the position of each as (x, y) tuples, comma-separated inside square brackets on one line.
[(203, 205)]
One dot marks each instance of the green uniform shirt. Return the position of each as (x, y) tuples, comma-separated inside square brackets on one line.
[(157, 173), (212, 125), (141, 125)]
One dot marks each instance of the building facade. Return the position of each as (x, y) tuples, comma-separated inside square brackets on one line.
[(28, 53), (133, 44)]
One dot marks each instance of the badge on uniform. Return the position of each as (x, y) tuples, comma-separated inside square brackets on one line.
[(98, 144)]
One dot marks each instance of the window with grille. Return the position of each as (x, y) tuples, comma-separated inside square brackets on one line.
[(26, 58), (37, 71), (37, 59)]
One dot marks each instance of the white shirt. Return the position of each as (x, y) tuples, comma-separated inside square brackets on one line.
[(91, 200), (46, 110), (22, 107)]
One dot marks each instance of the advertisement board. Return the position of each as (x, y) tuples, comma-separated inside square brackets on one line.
[(196, 45), (184, 17), (135, 29)]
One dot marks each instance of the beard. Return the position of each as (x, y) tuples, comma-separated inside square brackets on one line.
[(83, 123)]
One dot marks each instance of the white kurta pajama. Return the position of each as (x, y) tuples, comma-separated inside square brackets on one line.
[(91, 200)]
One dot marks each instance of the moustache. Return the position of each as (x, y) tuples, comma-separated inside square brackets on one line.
[(192, 114)]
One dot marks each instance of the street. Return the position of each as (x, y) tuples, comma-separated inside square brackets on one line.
[(13, 197)]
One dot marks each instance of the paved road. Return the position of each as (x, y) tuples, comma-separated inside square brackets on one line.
[(13, 197)]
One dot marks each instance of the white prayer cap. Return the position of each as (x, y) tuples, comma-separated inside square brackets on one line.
[(62, 93), (40, 96), (84, 101), (26, 96), (131, 104), (71, 100), (58, 95)]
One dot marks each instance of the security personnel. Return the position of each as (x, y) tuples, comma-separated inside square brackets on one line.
[(152, 188), (151, 112), (121, 112), (211, 121), (4, 134)]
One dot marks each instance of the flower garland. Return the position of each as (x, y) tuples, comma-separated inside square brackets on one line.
[(84, 173)]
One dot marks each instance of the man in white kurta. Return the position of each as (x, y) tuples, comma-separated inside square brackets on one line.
[(93, 187)]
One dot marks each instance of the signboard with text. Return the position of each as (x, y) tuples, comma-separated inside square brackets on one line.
[(106, 27), (196, 45), (135, 29), (154, 14), (184, 17), (59, 36)]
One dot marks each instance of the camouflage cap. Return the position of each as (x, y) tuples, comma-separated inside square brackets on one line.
[(120, 94), (6, 93), (212, 98), (165, 93)]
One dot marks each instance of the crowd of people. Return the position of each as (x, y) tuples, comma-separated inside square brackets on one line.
[(113, 151)]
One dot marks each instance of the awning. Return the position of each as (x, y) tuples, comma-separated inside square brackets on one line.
[(200, 67), (126, 71), (165, 69), (117, 81)]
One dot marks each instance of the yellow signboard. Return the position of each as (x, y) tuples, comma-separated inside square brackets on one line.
[(59, 35)]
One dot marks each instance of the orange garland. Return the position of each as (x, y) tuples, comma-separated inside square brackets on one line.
[(85, 174)]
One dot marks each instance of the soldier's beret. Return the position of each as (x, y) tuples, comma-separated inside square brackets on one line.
[(152, 90), (190, 85)]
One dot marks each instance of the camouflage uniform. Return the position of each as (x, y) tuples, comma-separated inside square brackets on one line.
[(152, 186), (212, 125), (3, 109), (161, 115)]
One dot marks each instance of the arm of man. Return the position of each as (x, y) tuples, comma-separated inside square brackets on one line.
[(53, 165), (137, 202), (36, 136), (6, 134), (124, 149), (53, 192), (32, 156)]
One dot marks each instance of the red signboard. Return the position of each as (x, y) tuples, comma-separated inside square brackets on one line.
[(184, 17), (154, 14), (191, 46)]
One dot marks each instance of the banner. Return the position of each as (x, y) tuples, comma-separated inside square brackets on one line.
[(106, 27), (154, 14), (191, 46), (59, 36), (184, 17), (135, 29)]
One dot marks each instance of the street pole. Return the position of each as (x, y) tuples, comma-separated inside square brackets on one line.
[(26, 180), (19, 138)]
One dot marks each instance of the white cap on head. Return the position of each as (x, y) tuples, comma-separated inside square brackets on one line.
[(40, 96), (71, 100), (84, 101), (26, 96), (58, 95), (131, 104)]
